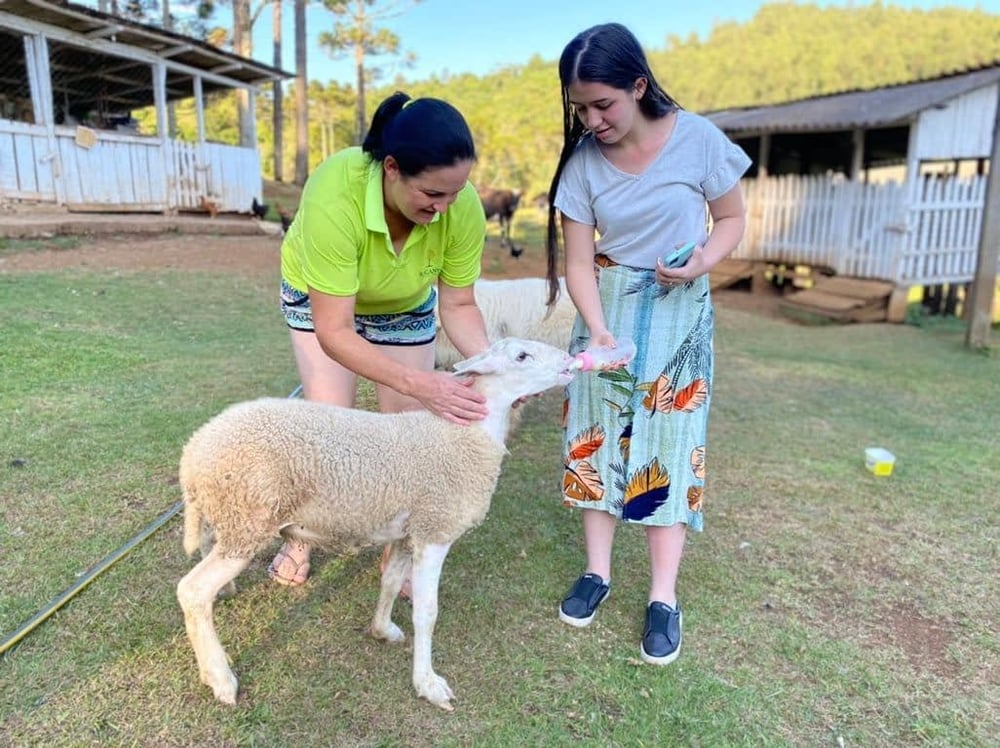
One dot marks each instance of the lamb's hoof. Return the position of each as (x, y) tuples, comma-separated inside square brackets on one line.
[(436, 690), (390, 633), (224, 686)]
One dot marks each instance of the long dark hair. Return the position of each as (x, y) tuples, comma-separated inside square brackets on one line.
[(608, 54), (419, 134)]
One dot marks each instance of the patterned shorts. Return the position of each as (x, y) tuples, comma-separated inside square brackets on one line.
[(416, 327)]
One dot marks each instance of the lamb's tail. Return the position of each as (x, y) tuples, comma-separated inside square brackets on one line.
[(192, 525)]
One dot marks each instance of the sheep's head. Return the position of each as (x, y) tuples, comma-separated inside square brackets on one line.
[(513, 368)]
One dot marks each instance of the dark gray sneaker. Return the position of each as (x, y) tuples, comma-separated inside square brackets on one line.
[(661, 639), (580, 605)]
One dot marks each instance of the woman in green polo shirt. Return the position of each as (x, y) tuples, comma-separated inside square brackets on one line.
[(378, 227)]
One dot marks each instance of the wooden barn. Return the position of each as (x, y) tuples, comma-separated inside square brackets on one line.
[(86, 107), (886, 185)]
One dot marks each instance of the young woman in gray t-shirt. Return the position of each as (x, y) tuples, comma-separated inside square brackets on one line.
[(635, 176)]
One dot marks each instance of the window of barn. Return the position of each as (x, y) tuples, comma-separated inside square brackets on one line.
[(15, 92), (100, 91)]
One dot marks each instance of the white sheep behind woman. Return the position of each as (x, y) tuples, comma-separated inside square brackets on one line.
[(515, 308), (346, 479)]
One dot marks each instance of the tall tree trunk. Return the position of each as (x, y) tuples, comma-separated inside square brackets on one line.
[(279, 117), (324, 140), (243, 46), (359, 113), (301, 96)]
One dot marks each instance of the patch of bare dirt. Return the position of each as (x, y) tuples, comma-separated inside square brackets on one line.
[(923, 640), (258, 256), (250, 255)]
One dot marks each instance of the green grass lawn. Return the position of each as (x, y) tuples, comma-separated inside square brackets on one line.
[(823, 605)]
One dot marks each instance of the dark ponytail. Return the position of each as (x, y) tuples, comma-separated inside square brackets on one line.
[(573, 131), (419, 134), (608, 54)]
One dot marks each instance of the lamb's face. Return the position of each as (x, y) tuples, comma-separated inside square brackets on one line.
[(521, 367), (538, 362)]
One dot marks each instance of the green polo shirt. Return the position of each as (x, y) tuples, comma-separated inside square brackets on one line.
[(339, 242)]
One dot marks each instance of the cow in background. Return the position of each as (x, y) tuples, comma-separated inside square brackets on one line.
[(502, 204)]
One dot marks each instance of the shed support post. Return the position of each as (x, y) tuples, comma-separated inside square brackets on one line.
[(858, 155), (162, 131), (763, 156), (984, 284)]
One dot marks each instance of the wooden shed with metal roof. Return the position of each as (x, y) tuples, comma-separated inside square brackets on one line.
[(886, 184), (941, 121), (75, 80)]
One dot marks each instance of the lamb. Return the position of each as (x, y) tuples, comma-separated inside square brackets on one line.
[(516, 308), (345, 479)]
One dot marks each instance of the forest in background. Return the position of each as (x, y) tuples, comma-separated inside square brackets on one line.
[(786, 51)]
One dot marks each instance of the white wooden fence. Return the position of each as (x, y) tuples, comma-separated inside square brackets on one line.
[(945, 220), (920, 233), (111, 171)]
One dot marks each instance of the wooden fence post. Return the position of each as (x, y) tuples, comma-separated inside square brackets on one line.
[(984, 284)]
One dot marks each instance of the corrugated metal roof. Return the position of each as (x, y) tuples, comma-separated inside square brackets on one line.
[(173, 46), (880, 107)]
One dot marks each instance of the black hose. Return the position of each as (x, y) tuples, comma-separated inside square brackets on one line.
[(61, 599)]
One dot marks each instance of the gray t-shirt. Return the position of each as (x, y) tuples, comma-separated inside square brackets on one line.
[(640, 217)]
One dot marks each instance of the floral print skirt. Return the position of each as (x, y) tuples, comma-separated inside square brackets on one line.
[(635, 437)]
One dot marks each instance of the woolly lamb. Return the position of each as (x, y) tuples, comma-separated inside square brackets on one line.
[(346, 479), (516, 308)]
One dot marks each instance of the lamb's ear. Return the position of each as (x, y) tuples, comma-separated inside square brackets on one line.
[(487, 362)]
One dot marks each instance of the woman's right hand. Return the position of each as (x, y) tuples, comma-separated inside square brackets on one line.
[(451, 397), (601, 338)]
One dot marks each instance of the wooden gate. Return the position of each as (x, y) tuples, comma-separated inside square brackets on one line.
[(920, 233), (944, 222)]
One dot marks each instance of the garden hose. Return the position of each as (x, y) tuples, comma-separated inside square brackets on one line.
[(61, 599)]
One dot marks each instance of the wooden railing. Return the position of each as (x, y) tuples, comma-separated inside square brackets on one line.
[(105, 170), (923, 232)]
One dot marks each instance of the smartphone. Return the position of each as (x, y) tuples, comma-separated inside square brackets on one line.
[(679, 256)]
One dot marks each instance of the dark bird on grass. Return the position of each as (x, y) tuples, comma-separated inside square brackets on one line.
[(258, 209), (515, 252), (285, 216)]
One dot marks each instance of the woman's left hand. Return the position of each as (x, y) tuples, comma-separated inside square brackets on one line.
[(690, 270)]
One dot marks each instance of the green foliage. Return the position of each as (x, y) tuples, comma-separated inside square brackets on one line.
[(797, 50), (786, 51), (331, 125), (357, 32)]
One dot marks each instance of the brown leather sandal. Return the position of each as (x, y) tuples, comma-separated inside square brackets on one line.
[(283, 559)]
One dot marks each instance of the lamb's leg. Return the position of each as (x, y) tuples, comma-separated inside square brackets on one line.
[(427, 563), (396, 569), (196, 594), (206, 541)]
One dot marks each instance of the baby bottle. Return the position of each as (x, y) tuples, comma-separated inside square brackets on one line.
[(600, 358)]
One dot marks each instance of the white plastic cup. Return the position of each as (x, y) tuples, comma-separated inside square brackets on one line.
[(879, 461)]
